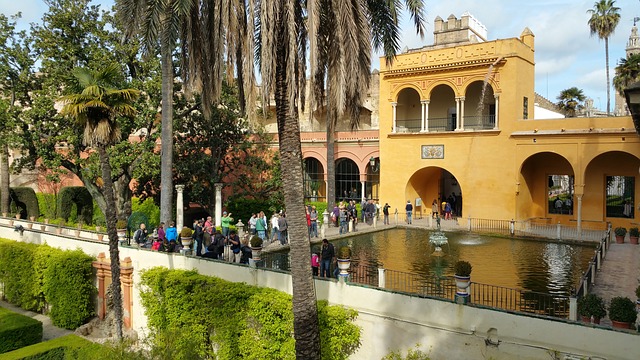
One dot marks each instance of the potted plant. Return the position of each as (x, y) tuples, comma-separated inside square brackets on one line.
[(620, 233), (462, 274), (622, 312), (591, 305), (121, 228), (344, 260), (256, 247), (186, 237), (634, 234)]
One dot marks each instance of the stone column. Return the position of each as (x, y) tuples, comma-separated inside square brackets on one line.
[(325, 223), (579, 219), (393, 116), (179, 208), (497, 97), (422, 117), (363, 196), (426, 116), (462, 112), (218, 187), (457, 113)]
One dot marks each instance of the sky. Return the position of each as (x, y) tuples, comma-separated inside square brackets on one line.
[(565, 53)]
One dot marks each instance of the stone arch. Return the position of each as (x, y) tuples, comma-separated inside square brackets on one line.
[(434, 183), (348, 186), (402, 87), (533, 183), (442, 108), (479, 105), (314, 181), (408, 110)]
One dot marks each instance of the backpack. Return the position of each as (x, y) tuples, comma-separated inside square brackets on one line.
[(137, 236)]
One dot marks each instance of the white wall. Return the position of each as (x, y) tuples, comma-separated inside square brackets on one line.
[(391, 321)]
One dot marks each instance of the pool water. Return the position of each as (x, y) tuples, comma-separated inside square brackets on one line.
[(543, 266)]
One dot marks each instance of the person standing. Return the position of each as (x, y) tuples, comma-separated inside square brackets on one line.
[(315, 263), (261, 228), (409, 209), (172, 236), (434, 209), (327, 254), (282, 228), (385, 212), (275, 233), (252, 224), (198, 234), (225, 222), (234, 240), (314, 222)]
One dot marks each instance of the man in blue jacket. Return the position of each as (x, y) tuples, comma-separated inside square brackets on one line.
[(172, 236)]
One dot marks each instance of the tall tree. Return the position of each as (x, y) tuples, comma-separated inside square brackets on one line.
[(95, 107), (604, 19), (627, 72), (570, 100)]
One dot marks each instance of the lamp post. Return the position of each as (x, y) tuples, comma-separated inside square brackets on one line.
[(375, 166), (632, 95)]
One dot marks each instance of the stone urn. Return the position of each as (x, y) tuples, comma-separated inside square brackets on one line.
[(344, 265), (186, 242)]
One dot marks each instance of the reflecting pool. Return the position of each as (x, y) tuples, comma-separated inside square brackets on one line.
[(542, 266)]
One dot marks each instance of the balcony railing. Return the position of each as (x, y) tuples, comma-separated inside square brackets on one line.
[(442, 124), (408, 125), (483, 122)]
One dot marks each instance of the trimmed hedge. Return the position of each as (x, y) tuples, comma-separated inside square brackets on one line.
[(197, 313), (24, 201), (47, 205), (80, 196), (65, 347), (18, 331), (36, 275)]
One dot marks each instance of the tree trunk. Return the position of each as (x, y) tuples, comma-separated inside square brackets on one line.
[(4, 179), (331, 166), (166, 154), (95, 192), (606, 55), (114, 253), (123, 196), (305, 312)]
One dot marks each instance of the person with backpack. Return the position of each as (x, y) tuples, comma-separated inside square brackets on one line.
[(234, 240), (140, 236)]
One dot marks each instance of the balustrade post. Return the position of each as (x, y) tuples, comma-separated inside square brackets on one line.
[(585, 288), (558, 230), (593, 273), (431, 222), (469, 223), (381, 278), (512, 227), (603, 245), (573, 308), (351, 225), (375, 221), (396, 216), (599, 260)]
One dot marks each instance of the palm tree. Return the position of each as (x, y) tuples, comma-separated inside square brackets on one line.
[(95, 108), (627, 72), (571, 100), (604, 19), (283, 29)]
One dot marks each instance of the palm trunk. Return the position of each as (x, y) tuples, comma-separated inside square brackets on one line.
[(305, 313), (4, 179), (114, 253), (166, 159), (606, 52), (331, 166)]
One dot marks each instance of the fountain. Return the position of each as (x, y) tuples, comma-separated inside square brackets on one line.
[(438, 239), (480, 108)]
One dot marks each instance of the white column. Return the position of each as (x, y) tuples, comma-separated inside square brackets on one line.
[(393, 115), (179, 208), (579, 219), (457, 113), (462, 113), (218, 187), (363, 196), (497, 97), (426, 116)]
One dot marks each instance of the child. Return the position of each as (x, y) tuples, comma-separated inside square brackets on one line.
[(315, 263)]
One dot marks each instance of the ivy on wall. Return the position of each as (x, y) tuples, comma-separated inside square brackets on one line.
[(217, 318)]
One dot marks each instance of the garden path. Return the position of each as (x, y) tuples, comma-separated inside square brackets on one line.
[(49, 331)]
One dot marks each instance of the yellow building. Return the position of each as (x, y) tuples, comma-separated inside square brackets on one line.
[(457, 117)]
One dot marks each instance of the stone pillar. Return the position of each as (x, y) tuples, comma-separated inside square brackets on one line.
[(179, 208), (579, 219), (573, 308), (218, 203), (325, 223), (424, 126), (126, 281), (363, 196), (462, 112), (375, 222), (101, 274), (393, 116), (240, 229), (381, 278), (351, 225), (497, 97), (457, 128)]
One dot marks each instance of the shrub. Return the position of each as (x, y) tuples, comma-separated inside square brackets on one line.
[(23, 200), (69, 289), (47, 205), (634, 232), (462, 268), (186, 232), (320, 208), (592, 305), (344, 253), (620, 231), (17, 273), (249, 322), (80, 196), (256, 241), (242, 208), (17, 331), (412, 354), (149, 208), (64, 347), (121, 224), (622, 309)]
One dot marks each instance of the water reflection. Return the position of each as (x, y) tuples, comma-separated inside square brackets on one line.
[(547, 267)]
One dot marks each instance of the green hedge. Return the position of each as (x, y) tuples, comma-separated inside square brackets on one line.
[(18, 331), (80, 196), (65, 347), (23, 200), (197, 313), (149, 208), (36, 275), (47, 205)]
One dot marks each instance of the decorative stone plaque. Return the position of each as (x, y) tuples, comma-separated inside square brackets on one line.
[(433, 151)]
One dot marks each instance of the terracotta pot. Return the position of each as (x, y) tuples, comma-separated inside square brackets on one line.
[(620, 325), (100, 237), (32, 218), (58, 231), (633, 240), (585, 319), (619, 239), (43, 227), (11, 222), (29, 225), (18, 216)]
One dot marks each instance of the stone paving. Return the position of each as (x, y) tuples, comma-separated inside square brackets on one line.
[(619, 274), (49, 331)]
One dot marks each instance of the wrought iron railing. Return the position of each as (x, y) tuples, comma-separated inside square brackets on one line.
[(442, 124), (408, 125), (483, 122)]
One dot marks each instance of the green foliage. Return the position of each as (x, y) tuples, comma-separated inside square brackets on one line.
[(344, 252), (34, 275), (149, 208), (24, 199), (68, 288), (243, 322), (255, 241), (186, 232), (320, 208), (622, 309), (412, 354), (592, 305), (462, 268), (620, 231), (47, 205), (17, 331), (80, 196), (634, 232), (121, 224), (65, 347), (242, 208)]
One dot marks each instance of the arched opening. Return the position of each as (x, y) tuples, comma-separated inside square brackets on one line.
[(434, 185), (611, 187), (546, 187), (372, 185), (442, 109), (348, 185), (313, 182), (479, 106), (408, 111)]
